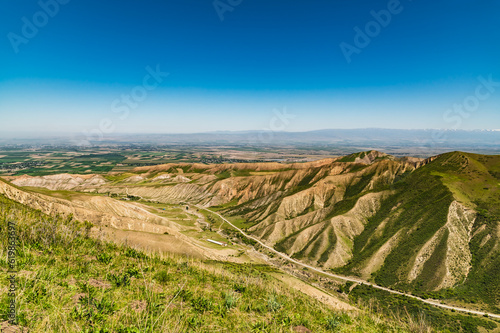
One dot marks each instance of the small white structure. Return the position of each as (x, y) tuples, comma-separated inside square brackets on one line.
[(216, 242)]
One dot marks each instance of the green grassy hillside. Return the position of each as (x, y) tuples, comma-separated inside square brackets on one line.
[(424, 198), (70, 282), (415, 217)]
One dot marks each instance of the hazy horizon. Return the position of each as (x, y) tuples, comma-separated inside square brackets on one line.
[(22, 135)]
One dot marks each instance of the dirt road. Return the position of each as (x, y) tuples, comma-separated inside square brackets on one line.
[(352, 279)]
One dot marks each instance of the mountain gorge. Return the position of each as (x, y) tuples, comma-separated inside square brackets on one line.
[(426, 226)]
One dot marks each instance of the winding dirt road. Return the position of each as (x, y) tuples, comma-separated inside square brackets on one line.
[(345, 278)]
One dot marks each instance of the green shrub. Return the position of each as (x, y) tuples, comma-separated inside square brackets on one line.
[(118, 280), (333, 324), (162, 277), (240, 288), (272, 304), (230, 300), (202, 304), (105, 258), (133, 253), (133, 272)]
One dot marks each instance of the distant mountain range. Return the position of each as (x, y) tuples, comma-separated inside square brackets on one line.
[(399, 142), (414, 138)]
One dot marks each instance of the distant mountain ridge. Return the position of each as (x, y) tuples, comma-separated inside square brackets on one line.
[(415, 142), (332, 135)]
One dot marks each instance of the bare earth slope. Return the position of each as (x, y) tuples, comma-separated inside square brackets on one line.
[(120, 221), (426, 226)]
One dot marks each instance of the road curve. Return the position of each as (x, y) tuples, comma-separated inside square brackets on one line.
[(345, 278)]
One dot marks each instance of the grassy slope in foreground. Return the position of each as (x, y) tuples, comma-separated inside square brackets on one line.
[(70, 282)]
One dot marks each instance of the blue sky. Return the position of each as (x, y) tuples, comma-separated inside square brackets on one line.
[(71, 73)]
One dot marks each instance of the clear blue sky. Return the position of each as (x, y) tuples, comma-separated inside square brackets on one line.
[(231, 74)]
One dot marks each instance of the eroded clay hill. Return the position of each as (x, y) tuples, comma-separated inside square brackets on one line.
[(116, 220), (421, 225)]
